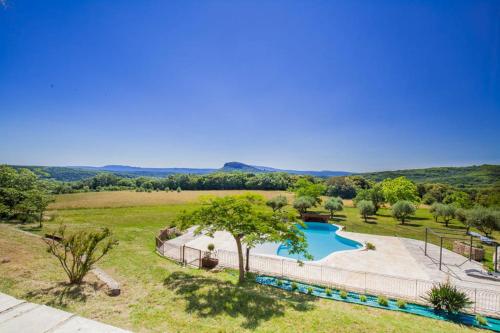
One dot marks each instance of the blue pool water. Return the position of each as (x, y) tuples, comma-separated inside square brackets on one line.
[(322, 239)]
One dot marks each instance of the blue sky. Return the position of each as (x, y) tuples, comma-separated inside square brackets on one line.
[(339, 85)]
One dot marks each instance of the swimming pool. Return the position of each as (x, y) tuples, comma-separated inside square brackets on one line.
[(322, 239)]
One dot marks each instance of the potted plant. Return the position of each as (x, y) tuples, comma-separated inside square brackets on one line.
[(208, 261)]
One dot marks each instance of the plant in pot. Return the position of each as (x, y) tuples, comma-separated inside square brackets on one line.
[(208, 261)]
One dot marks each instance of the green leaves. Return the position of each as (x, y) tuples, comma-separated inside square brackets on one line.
[(334, 204), (79, 251), (446, 296), (247, 218), (399, 189), (402, 210)]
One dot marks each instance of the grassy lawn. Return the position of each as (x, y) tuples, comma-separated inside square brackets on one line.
[(161, 296)]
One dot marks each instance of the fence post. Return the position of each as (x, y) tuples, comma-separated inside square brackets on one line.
[(470, 249), (440, 252), (183, 254), (416, 290), (475, 299), (365, 282), (426, 231), (199, 260)]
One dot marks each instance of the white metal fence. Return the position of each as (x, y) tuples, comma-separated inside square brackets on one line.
[(485, 301)]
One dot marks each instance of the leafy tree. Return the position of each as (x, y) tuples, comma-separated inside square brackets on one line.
[(334, 204), (366, 208), (459, 199), (399, 189), (248, 220), (22, 195), (446, 212), (374, 194), (306, 188), (78, 252), (402, 210), (277, 203), (484, 219), (461, 215), (302, 204), (340, 187), (434, 210)]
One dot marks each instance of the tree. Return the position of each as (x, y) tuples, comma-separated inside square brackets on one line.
[(434, 210), (248, 220), (34, 205), (461, 215), (374, 194), (341, 187), (306, 188), (78, 252), (399, 189), (459, 199), (277, 203), (334, 204), (302, 204), (401, 210), (366, 208), (447, 212), (484, 219)]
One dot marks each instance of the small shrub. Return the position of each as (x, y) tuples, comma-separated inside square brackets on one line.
[(382, 300), (343, 294), (78, 252), (401, 304), (370, 246), (328, 292), (481, 320), (167, 189), (279, 283), (445, 296), (294, 286), (309, 290), (211, 247), (362, 298), (179, 189)]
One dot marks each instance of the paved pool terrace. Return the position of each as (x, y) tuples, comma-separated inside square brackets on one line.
[(395, 256)]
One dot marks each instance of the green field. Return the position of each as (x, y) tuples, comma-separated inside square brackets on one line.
[(161, 296)]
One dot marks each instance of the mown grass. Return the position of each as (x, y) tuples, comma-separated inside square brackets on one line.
[(161, 296)]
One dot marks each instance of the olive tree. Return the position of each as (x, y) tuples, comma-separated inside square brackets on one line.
[(249, 221), (402, 210), (484, 219), (334, 204), (302, 204), (366, 208), (277, 203), (446, 212), (78, 252)]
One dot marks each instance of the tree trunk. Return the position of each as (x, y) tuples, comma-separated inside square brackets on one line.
[(241, 267), (247, 266), (365, 218)]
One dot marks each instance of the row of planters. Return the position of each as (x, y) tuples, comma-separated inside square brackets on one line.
[(447, 301)]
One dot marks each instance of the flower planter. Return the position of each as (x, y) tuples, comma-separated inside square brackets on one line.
[(209, 263)]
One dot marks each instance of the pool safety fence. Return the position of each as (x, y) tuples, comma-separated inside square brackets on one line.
[(484, 301)]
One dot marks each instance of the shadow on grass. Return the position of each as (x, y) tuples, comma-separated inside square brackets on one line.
[(209, 297), (63, 293)]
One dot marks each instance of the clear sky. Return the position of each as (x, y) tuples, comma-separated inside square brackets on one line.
[(339, 85)]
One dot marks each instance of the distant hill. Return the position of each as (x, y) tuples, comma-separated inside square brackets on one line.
[(238, 166), (472, 176)]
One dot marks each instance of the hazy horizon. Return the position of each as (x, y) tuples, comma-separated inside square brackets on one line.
[(317, 85)]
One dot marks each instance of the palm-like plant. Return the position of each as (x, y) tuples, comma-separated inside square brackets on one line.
[(446, 296)]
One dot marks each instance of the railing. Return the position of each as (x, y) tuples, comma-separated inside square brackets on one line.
[(484, 301)]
